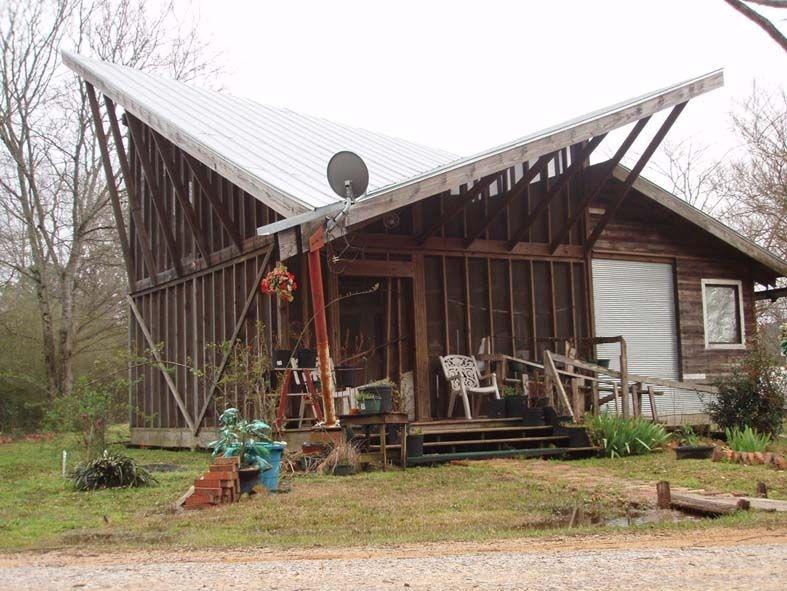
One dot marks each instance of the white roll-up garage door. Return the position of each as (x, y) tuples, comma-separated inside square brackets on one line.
[(637, 300)]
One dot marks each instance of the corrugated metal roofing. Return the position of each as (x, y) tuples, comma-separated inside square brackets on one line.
[(285, 150)]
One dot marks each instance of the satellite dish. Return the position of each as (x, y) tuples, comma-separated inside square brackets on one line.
[(348, 175)]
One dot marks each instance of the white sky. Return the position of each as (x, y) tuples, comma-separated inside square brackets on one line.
[(468, 75)]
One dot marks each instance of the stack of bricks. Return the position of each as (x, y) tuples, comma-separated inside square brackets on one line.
[(220, 485)]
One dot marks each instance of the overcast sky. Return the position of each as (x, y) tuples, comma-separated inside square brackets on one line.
[(468, 75)]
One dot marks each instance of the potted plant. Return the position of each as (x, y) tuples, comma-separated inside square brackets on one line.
[(368, 402), (385, 390), (691, 446), (415, 443), (343, 460), (307, 358), (495, 407), (259, 456), (515, 402)]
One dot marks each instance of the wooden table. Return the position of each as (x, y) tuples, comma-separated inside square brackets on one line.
[(381, 420)]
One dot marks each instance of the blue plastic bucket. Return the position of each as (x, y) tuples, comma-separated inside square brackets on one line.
[(270, 478)]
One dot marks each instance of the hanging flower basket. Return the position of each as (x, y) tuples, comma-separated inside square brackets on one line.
[(280, 282)]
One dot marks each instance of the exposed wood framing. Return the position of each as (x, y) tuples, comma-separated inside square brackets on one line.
[(635, 172), (514, 193), (559, 184), (114, 198), (591, 195), (181, 193), (462, 202), (421, 344), (211, 191), (160, 362), (239, 322), (131, 192), (155, 194)]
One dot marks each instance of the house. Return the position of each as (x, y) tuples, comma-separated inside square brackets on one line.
[(521, 247)]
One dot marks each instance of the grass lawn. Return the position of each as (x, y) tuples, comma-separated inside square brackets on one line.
[(476, 501)]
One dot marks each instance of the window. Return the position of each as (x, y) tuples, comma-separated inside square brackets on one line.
[(722, 310)]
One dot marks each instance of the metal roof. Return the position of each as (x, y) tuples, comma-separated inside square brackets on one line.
[(263, 149)]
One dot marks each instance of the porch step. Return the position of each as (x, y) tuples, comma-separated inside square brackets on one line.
[(546, 439), (518, 427), (437, 458)]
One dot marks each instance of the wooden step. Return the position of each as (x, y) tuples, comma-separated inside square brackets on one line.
[(438, 458), (488, 430), (550, 438)]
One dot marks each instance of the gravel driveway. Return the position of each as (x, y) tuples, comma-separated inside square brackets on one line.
[(749, 566)]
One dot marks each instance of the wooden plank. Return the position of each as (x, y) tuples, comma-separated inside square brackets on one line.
[(421, 344), (549, 366), (181, 194), (114, 198), (462, 202), (210, 190), (560, 183), (131, 192), (239, 322), (613, 208), (160, 362), (374, 268), (155, 194), (514, 193)]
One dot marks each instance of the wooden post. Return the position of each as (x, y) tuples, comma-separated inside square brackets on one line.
[(762, 490), (624, 377), (615, 398), (596, 400), (652, 399), (663, 496), (316, 242)]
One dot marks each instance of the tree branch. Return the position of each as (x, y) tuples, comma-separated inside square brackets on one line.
[(760, 20)]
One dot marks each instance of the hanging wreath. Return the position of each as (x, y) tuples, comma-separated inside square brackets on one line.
[(280, 282)]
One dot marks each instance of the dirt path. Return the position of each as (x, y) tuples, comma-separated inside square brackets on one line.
[(731, 559)]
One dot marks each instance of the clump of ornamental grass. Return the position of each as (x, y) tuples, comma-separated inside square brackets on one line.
[(747, 439), (618, 436), (110, 470)]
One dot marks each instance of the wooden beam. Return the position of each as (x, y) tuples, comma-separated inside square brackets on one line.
[(239, 322), (513, 193), (549, 368), (771, 294), (463, 201), (372, 268), (131, 191), (114, 198), (632, 176), (211, 191), (160, 362), (421, 343), (182, 195), (555, 189), (155, 194), (588, 198)]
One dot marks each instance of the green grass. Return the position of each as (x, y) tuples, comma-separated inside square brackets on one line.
[(477, 501)]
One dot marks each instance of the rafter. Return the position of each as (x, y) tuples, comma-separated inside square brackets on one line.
[(555, 189), (632, 176), (155, 194), (182, 195), (588, 198), (210, 190), (114, 198), (513, 193), (463, 201), (133, 198)]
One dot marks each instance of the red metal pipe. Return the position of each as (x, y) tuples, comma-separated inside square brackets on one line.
[(321, 330)]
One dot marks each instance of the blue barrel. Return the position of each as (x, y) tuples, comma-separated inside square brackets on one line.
[(270, 478)]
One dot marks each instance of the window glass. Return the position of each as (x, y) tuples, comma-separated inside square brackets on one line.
[(722, 321)]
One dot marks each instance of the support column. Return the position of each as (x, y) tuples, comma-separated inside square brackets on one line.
[(316, 242)]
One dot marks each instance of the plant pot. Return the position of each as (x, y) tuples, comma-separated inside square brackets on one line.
[(515, 406), (370, 406), (496, 408), (393, 434), (694, 452), (577, 436), (307, 358), (281, 358), (415, 446), (384, 393), (533, 417), (343, 470), (517, 368), (602, 362), (249, 477), (349, 376), (270, 477)]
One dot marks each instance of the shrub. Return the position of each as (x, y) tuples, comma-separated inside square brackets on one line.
[(753, 395), (618, 436), (110, 470), (246, 439), (747, 439)]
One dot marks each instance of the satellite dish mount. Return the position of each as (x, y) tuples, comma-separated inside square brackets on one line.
[(349, 178)]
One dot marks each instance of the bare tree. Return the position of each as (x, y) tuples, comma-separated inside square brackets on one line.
[(759, 19), (56, 231), (692, 175)]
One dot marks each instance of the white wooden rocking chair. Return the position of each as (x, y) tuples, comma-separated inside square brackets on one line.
[(462, 375)]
